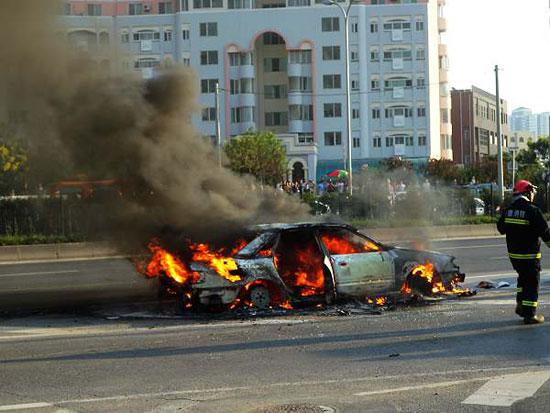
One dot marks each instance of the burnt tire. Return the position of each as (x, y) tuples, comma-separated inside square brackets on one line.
[(259, 297)]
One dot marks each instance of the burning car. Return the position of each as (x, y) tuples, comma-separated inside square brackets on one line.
[(292, 264)]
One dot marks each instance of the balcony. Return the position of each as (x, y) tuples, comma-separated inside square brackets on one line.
[(442, 49), (442, 24), (444, 102)]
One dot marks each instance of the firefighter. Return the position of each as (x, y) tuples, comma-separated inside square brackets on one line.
[(523, 224)]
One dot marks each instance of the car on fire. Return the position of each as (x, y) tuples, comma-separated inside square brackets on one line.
[(294, 264)]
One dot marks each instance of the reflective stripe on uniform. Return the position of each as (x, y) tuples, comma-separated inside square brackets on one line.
[(519, 290), (524, 256), (516, 221), (529, 303)]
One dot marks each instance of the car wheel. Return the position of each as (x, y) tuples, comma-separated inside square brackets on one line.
[(259, 297)]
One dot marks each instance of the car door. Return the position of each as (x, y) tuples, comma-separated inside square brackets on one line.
[(361, 266)]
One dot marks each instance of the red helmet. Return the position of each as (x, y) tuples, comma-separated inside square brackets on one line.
[(523, 186)]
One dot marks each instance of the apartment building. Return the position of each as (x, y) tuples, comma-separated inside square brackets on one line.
[(474, 119), (280, 65), (543, 124), (523, 119)]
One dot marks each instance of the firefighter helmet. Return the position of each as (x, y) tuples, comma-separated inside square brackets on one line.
[(523, 186)]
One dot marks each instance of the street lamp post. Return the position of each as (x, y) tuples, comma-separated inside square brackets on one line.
[(345, 13)]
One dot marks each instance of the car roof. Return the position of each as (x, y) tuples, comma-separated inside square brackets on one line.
[(277, 227)]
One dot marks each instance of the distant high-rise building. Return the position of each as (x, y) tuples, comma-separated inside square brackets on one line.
[(543, 124), (280, 66), (474, 119), (523, 119)]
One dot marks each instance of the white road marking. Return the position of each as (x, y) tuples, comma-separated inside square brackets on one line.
[(53, 260), (466, 247), (505, 390), (274, 385), (419, 387), (14, 334), (20, 274), (499, 258), (9, 407)]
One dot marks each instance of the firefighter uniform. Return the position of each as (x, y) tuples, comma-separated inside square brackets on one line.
[(524, 225)]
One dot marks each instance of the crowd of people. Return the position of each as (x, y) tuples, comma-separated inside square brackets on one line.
[(309, 186)]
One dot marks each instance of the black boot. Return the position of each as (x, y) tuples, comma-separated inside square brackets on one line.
[(536, 319), (519, 310)]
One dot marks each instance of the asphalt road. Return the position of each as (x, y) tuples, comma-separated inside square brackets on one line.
[(470, 354)]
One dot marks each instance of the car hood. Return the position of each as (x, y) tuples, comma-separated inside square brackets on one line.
[(443, 263)]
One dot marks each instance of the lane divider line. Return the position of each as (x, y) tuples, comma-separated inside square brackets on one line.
[(21, 274), (420, 387), (504, 391)]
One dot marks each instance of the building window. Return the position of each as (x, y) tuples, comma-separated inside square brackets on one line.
[(397, 54), (377, 142), (332, 110), (94, 9), (165, 7), (354, 54), (241, 59), (354, 84), (420, 54), (209, 29), (397, 25), (332, 81), (299, 3), (146, 35), (208, 114), (167, 36), (275, 91), (397, 82), (207, 4), (419, 25), (333, 138), (446, 142), (422, 140), (185, 34), (421, 112), (375, 113), (209, 57), (124, 37), (355, 113), (239, 4), (420, 82), (330, 24), (299, 56), (356, 142), (301, 112), (299, 84), (409, 141), (331, 52), (146, 63), (242, 114), (274, 64), (305, 138), (276, 119), (444, 116), (354, 27), (272, 39), (389, 141), (374, 55), (375, 84), (374, 27), (135, 9), (208, 85)]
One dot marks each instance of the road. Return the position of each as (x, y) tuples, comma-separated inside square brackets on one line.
[(470, 354)]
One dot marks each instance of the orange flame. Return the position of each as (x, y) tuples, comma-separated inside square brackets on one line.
[(164, 263), (380, 301), (215, 260), (426, 272), (339, 246)]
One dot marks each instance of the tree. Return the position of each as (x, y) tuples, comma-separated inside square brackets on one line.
[(13, 161), (443, 169), (260, 154)]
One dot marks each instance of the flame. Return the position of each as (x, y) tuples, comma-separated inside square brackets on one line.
[(164, 263), (286, 305), (215, 260), (339, 245), (380, 301), (426, 271)]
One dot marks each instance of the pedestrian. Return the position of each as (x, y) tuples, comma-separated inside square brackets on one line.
[(523, 224)]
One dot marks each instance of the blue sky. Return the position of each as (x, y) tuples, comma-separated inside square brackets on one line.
[(515, 34)]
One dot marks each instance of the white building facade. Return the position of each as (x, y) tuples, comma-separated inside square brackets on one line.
[(280, 65)]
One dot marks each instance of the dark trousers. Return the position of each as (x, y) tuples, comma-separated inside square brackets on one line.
[(528, 285)]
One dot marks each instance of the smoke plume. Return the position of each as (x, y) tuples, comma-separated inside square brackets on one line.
[(83, 119)]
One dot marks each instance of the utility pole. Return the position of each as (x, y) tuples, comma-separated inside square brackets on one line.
[(218, 125), (499, 143)]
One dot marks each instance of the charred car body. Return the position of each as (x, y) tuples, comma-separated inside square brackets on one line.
[(313, 262)]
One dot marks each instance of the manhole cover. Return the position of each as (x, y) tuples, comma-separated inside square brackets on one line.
[(296, 408)]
